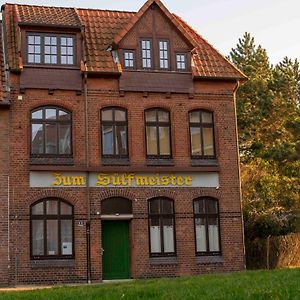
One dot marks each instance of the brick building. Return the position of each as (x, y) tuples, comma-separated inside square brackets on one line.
[(118, 147)]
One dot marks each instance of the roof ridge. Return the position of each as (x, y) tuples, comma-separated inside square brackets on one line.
[(69, 7), (210, 45)]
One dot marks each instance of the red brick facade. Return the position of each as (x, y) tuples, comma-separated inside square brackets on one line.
[(217, 96)]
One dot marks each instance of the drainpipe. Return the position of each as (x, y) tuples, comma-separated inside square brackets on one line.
[(86, 141), (239, 168)]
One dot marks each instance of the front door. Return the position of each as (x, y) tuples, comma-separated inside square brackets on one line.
[(115, 244)]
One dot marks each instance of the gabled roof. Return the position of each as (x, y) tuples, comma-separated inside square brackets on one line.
[(139, 15), (103, 28)]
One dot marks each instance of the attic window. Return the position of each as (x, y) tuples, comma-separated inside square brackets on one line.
[(146, 54), (128, 59), (50, 49)]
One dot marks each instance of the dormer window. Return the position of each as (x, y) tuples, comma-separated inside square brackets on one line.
[(50, 49), (128, 59), (181, 61), (163, 55), (146, 54)]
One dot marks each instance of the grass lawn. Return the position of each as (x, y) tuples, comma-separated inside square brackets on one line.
[(277, 284)]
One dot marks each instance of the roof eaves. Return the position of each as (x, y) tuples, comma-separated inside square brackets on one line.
[(50, 25)]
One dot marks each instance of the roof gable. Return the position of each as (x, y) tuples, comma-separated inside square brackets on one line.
[(140, 14), (103, 28)]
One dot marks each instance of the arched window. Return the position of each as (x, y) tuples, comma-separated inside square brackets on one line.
[(207, 226), (158, 133), (51, 132), (114, 127), (202, 134), (161, 227), (52, 229)]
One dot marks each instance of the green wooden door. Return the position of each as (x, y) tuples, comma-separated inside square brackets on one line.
[(116, 256)]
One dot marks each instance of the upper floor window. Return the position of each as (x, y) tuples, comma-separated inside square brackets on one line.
[(52, 229), (181, 61), (128, 59), (50, 49), (114, 132), (161, 227), (206, 215), (51, 131), (146, 54), (158, 133), (202, 134), (163, 55)]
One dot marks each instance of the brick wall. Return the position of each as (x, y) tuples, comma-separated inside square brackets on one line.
[(217, 97), (4, 165)]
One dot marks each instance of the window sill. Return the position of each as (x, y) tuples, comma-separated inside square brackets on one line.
[(160, 162), (196, 162), (52, 263), (49, 66), (115, 162), (164, 260), (217, 259), (51, 161)]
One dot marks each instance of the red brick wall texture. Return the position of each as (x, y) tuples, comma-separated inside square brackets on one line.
[(217, 97)]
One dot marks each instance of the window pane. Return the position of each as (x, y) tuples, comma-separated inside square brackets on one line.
[(51, 207), (37, 237), (63, 60), (37, 138), (199, 206), (64, 139), (196, 141), (168, 231), (107, 115), (167, 206), (121, 140), (150, 116), (50, 113), (31, 58), (65, 209), (51, 139), (52, 237), (194, 117), (107, 140), (30, 39), (163, 116), (200, 235), (154, 206), (208, 141), (207, 117), (151, 138), (155, 241), (213, 234), (38, 209), (70, 41), (64, 41), (164, 141), (211, 206), (120, 115), (62, 115), (37, 114), (66, 237), (70, 60)]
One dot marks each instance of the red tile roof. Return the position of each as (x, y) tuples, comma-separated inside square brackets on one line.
[(104, 28)]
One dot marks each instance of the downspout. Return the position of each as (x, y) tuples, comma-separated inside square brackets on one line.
[(86, 126), (239, 169), (7, 95)]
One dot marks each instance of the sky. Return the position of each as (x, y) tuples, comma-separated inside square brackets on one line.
[(274, 24)]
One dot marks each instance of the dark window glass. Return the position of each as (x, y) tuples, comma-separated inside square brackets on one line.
[(163, 54), (161, 227), (146, 54), (207, 228), (52, 229), (181, 61), (52, 49), (128, 59), (114, 132), (50, 132), (202, 134), (158, 133)]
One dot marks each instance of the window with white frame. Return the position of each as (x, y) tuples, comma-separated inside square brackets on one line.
[(146, 54), (163, 55)]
